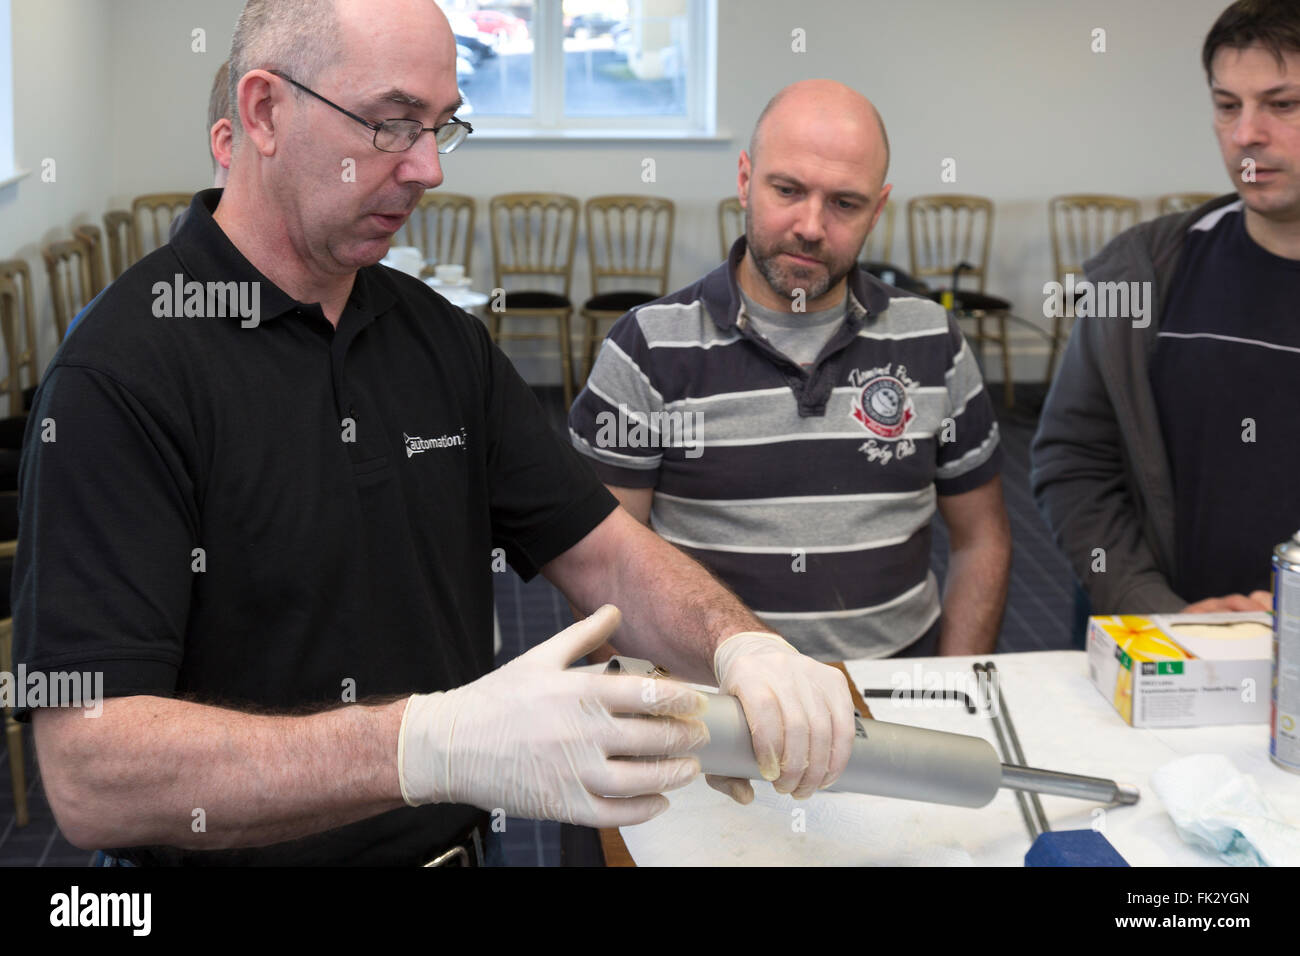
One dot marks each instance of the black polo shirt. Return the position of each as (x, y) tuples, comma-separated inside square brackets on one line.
[(346, 488)]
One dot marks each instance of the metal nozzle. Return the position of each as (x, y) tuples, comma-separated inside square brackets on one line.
[(1068, 785)]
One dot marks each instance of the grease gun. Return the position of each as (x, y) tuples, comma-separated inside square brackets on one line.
[(888, 760)]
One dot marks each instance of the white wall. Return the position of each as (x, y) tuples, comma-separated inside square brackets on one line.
[(62, 112), (160, 85), (1009, 88)]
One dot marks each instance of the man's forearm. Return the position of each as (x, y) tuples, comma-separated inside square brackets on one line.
[(140, 773), (674, 612), (974, 599)]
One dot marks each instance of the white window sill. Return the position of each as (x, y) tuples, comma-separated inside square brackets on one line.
[(14, 177), (596, 134)]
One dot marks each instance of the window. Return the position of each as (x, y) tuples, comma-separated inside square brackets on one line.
[(586, 67), (8, 163)]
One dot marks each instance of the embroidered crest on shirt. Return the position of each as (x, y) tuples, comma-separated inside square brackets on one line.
[(883, 407)]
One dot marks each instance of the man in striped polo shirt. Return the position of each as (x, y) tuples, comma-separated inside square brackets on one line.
[(792, 422)]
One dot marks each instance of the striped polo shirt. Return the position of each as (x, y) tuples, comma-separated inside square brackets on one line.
[(808, 490)]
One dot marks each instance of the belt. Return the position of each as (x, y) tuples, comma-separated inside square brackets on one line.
[(467, 851)]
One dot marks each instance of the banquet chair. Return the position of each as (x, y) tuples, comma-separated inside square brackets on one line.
[(533, 238), (949, 236), (1081, 224), (629, 243)]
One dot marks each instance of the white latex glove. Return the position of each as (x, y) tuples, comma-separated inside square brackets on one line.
[(799, 711), (542, 742)]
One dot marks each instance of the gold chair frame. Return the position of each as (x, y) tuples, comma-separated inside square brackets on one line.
[(123, 241), (944, 230), (1081, 224), (545, 252), (74, 257), (17, 319), (624, 244), (1182, 202), (442, 226), (149, 208), (731, 223)]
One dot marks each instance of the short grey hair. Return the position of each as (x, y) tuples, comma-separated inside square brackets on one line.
[(299, 37)]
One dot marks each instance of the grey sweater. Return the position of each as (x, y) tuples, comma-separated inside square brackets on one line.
[(1100, 472)]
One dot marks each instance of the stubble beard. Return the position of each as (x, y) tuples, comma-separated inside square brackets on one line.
[(785, 281), (1277, 205)]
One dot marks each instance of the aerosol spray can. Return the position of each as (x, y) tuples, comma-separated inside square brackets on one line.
[(1284, 724)]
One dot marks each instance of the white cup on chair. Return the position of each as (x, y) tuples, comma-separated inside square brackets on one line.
[(408, 259), (449, 274)]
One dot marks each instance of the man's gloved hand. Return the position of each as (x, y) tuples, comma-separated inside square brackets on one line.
[(799, 711), (537, 740)]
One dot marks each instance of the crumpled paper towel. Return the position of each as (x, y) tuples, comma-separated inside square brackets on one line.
[(1215, 807)]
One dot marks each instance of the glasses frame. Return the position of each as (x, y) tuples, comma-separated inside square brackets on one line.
[(377, 128)]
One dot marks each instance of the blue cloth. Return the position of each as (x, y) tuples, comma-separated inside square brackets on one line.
[(77, 318), (101, 858), (1073, 848)]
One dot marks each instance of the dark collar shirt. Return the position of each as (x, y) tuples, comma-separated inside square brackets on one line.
[(225, 499), (1226, 377)]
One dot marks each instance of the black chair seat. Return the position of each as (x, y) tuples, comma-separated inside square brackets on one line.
[(11, 431), (527, 299), (9, 459), (893, 275), (8, 532), (974, 301), (618, 301)]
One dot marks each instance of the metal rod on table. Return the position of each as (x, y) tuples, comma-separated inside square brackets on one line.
[(1100, 789), (1022, 801), (916, 693), (1017, 755)]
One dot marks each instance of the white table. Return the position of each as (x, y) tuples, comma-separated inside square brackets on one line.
[(1064, 723)]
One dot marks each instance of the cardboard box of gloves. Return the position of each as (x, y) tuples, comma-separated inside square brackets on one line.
[(1183, 670)]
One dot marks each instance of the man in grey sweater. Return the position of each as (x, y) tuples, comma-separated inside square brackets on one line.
[(1166, 457)]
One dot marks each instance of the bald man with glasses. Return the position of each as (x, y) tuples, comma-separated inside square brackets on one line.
[(267, 500)]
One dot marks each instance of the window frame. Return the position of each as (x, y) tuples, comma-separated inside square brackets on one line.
[(548, 119), (9, 171)]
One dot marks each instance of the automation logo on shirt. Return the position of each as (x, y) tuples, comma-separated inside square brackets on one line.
[(416, 445)]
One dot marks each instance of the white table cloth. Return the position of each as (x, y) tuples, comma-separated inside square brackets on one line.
[(1063, 722)]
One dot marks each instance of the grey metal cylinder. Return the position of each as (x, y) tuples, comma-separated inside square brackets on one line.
[(889, 760), (1068, 785)]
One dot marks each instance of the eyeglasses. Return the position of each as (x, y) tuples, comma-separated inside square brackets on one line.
[(398, 135)]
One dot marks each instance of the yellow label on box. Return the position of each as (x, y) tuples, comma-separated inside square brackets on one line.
[(1182, 670), (1138, 639)]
